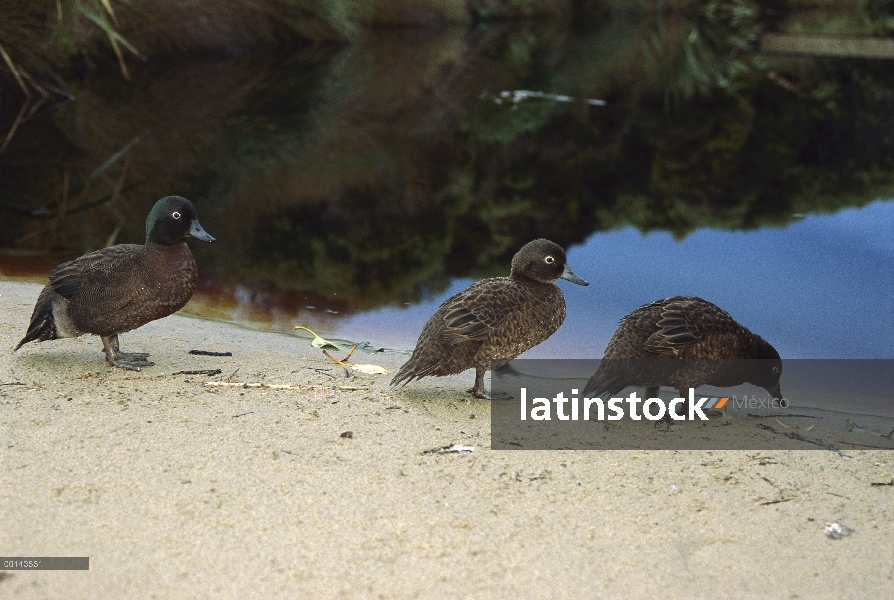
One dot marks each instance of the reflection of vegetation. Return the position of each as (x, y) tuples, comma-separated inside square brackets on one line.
[(713, 54), (351, 250), (877, 16), (374, 173), (55, 32)]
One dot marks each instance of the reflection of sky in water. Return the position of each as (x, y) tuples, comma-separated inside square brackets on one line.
[(819, 288)]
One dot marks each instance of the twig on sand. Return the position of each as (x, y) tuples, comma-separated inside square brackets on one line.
[(37, 386), (865, 445), (804, 438), (210, 353), (753, 416), (277, 386), (775, 501), (208, 372)]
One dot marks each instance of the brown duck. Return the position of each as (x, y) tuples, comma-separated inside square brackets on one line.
[(695, 343), (494, 320), (122, 287)]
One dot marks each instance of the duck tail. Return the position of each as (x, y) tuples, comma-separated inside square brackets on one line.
[(604, 383), (43, 326), (411, 370), (405, 375)]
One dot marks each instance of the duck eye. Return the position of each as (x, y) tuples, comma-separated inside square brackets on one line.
[(549, 260), (176, 215), (775, 369)]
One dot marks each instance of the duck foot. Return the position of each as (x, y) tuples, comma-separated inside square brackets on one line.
[(665, 422), (491, 396), (506, 369), (477, 390), (131, 361)]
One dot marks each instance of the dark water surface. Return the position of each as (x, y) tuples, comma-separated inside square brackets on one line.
[(352, 190)]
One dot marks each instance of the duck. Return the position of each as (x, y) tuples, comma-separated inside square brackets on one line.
[(684, 328), (494, 320), (120, 288)]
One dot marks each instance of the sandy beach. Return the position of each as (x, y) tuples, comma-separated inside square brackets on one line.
[(179, 490)]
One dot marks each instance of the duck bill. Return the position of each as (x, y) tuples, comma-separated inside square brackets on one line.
[(775, 391), (571, 276), (196, 231)]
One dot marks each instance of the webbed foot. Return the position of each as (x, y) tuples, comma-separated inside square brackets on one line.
[(132, 361), (477, 393), (666, 422), (129, 354)]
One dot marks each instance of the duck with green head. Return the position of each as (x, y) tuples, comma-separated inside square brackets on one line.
[(120, 288)]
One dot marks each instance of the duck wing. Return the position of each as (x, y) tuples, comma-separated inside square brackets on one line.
[(684, 322), (99, 272), (473, 314), (461, 324)]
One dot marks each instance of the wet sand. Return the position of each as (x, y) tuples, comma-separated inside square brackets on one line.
[(179, 490)]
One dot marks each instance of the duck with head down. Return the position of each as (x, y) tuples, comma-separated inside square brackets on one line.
[(684, 342)]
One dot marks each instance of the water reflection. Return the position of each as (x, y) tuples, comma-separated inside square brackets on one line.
[(364, 182), (818, 288)]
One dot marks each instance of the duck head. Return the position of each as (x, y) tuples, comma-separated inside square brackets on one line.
[(543, 261), (767, 369), (172, 220)]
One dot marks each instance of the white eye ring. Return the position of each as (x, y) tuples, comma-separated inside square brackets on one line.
[(176, 215), (549, 260)]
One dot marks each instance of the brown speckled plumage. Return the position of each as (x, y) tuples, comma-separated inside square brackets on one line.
[(683, 328), (494, 320), (120, 288)]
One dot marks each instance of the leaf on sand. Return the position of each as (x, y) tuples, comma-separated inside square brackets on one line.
[(369, 369), (321, 343)]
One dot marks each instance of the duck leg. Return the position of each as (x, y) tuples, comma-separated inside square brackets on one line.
[(477, 390), (117, 348), (684, 393), (666, 420), (124, 360)]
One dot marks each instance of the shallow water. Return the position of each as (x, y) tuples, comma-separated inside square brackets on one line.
[(353, 190)]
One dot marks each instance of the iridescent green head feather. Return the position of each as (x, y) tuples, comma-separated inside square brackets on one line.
[(172, 220)]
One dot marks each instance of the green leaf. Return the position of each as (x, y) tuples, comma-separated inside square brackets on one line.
[(323, 344)]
